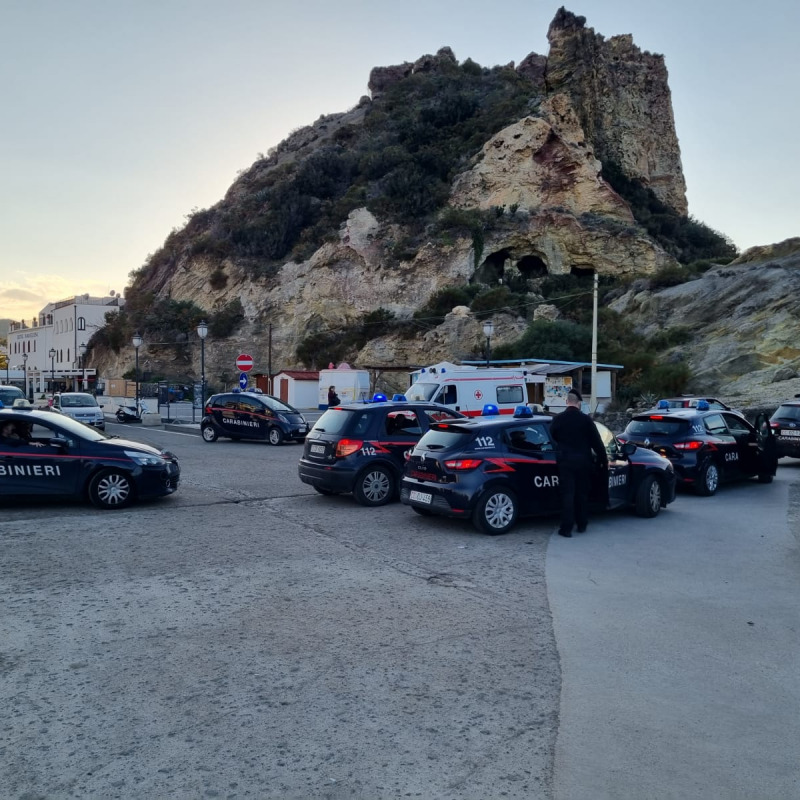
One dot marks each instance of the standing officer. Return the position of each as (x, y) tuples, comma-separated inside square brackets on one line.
[(576, 436)]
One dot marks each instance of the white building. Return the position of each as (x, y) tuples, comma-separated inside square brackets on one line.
[(49, 350)]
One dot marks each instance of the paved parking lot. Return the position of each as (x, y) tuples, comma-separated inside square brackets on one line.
[(249, 638)]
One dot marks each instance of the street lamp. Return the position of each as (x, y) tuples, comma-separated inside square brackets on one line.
[(137, 343), (82, 351), (202, 332), (488, 330), (52, 355), (25, 367)]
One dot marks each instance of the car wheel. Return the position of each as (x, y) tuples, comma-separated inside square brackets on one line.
[(496, 512), (111, 489), (326, 492), (275, 436), (708, 479), (374, 487), (209, 434), (648, 497)]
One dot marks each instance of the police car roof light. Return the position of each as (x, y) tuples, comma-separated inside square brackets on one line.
[(702, 405), (444, 370), (663, 404), (399, 398), (1, 404), (378, 398), (523, 411), (490, 410), (237, 391)]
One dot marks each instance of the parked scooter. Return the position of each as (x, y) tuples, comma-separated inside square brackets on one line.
[(132, 413)]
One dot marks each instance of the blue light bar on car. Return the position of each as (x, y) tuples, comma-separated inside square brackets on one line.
[(379, 398), (663, 404), (702, 405), (399, 398), (490, 410), (523, 411)]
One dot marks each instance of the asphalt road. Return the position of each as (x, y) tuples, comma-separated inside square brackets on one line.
[(250, 638)]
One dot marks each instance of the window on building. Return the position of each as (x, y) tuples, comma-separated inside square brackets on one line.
[(81, 324)]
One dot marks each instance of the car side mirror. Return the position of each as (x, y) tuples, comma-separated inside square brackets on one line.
[(60, 441), (628, 448)]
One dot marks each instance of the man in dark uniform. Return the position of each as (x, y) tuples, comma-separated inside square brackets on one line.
[(576, 436)]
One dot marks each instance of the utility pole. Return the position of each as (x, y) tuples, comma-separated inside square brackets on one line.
[(269, 361), (593, 399)]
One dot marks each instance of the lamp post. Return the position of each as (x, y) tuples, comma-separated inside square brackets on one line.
[(202, 332), (52, 355), (137, 343), (488, 330), (25, 367), (82, 351)]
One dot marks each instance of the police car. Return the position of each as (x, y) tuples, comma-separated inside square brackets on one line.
[(706, 446), (493, 469), (362, 447), (252, 415), (691, 401), (49, 454), (785, 423)]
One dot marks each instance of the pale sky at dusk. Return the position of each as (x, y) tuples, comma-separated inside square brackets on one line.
[(119, 118)]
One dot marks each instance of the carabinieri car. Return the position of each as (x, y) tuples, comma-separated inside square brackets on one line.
[(362, 447), (495, 468), (55, 455), (707, 446), (785, 423)]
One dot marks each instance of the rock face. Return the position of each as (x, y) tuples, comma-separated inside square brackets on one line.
[(622, 99), (590, 100), (743, 320)]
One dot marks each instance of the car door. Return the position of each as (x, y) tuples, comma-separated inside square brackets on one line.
[(402, 430), (47, 465), (532, 456), (746, 443), (725, 447), (617, 482)]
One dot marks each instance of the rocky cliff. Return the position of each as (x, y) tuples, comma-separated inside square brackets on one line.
[(537, 178)]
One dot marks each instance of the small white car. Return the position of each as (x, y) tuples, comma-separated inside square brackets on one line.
[(81, 407)]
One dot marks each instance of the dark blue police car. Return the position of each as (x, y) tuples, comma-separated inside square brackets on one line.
[(706, 446), (46, 454), (785, 424), (493, 469), (362, 447)]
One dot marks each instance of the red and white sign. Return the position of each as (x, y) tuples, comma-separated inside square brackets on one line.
[(244, 363), (478, 394)]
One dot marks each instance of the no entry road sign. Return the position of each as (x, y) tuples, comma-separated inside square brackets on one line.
[(244, 363)]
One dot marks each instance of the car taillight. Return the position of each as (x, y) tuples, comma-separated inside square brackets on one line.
[(691, 445), (462, 464), (774, 424), (346, 447)]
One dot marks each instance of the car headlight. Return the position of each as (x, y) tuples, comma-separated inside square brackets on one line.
[(282, 418), (145, 459)]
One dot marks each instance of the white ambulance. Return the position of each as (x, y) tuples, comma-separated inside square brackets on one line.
[(469, 389)]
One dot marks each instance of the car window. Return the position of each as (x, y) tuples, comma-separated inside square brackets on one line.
[(448, 395), (509, 394), (657, 425), (736, 425), (251, 406), (530, 438), (438, 415), (402, 423), (277, 405), (8, 394), (339, 420), (421, 391), (786, 412), (714, 424), (445, 437)]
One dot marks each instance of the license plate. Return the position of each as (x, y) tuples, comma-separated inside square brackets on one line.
[(317, 448), (421, 497), (793, 434)]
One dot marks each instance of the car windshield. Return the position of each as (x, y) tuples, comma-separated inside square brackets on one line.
[(657, 426), (77, 400), (337, 420), (445, 437), (420, 392), (787, 412), (274, 404), (8, 394), (70, 427)]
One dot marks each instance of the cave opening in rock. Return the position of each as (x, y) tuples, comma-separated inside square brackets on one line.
[(532, 266), (581, 273)]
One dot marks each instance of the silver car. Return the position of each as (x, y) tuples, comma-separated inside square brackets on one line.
[(81, 407)]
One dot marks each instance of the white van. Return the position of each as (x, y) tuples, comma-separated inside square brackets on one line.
[(469, 389), (80, 406)]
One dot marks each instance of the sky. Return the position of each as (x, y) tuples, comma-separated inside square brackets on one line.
[(122, 117)]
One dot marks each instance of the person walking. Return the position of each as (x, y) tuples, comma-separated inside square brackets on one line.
[(577, 437)]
